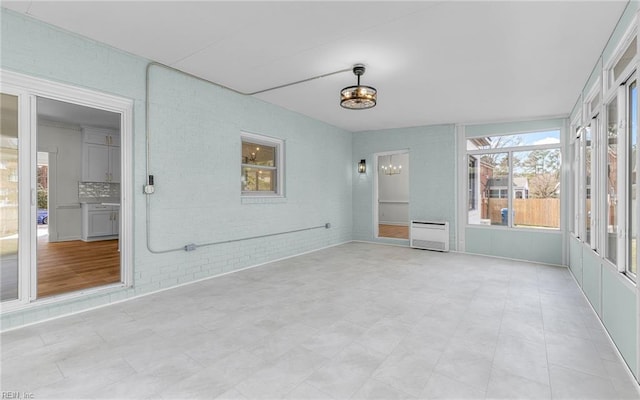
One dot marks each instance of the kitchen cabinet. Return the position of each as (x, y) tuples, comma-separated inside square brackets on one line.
[(100, 221), (100, 155)]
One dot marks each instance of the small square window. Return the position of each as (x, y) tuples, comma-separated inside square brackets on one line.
[(261, 165)]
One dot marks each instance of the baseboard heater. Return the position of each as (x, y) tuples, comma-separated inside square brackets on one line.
[(429, 235)]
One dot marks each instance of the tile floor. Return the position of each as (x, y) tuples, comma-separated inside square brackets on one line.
[(354, 321)]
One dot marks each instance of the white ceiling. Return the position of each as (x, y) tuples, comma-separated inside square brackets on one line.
[(73, 114), (432, 62)]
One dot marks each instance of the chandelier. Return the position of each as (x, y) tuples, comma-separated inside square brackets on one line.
[(391, 168)]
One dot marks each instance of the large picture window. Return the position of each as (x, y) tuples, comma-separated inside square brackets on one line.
[(261, 165), (519, 180)]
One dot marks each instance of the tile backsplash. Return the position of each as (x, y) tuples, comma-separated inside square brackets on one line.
[(93, 191)]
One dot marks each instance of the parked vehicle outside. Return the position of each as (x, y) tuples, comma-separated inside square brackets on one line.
[(43, 217)]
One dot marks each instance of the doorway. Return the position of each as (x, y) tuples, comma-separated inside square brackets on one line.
[(78, 249), (43, 127), (392, 195)]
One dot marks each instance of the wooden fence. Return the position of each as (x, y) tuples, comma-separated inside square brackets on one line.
[(528, 212)]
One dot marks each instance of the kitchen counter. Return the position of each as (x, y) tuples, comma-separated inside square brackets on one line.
[(100, 200)]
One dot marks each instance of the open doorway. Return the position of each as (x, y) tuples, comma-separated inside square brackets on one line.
[(392, 205), (78, 188)]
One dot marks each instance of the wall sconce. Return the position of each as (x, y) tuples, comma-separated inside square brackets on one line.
[(362, 166)]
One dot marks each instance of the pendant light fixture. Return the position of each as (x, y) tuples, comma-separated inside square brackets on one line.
[(358, 97), (391, 169)]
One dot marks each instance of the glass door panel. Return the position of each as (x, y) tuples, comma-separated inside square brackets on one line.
[(633, 217), (9, 211)]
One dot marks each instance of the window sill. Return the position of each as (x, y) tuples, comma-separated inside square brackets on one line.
[(515, 229)]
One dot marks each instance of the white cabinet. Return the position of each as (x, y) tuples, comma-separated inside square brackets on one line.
[(100, 221), (100, 155)]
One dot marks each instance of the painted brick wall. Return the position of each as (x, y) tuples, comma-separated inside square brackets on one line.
[(195, 144)]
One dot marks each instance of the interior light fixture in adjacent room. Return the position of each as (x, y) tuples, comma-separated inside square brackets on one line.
[(362, 166), (391, 168), (358, 97)]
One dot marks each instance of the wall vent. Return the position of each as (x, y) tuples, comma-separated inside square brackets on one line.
[(430, 235)]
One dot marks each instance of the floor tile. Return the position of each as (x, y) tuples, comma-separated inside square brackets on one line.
[(358, 320), (307, 391), (330, 341), (504, 385), (345, 374), (279, 378), (521, 357), (443, 387), (408, 369), (374, 389), (465, 365), (567, 383)]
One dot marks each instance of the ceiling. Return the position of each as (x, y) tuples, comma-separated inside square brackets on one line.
[(73, 114), (432, 62)]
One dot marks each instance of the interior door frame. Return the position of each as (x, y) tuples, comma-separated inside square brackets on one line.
[(28, 89), (376, 168)]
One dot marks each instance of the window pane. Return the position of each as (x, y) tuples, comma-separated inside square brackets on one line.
[(587, 176), (536, 189), (519, 140), (473, 182), (611, 245), (625, 59), (493, 178), (258, 154), (9, 196), (633, 134), (258, 179)]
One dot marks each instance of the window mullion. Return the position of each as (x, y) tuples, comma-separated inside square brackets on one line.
[(622, 179)]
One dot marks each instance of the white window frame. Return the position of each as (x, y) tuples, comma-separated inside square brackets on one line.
[(593, 108), (509, 151), (609, 82), (627, 189), (621, 159), (28, 88), (576, 145), (279, 145), (620, 87)]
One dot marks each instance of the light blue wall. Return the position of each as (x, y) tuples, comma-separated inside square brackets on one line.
[(620, 315), (575, 259), (195, 159), (591, 278), (432, 176), (611, 295), (543, 247)]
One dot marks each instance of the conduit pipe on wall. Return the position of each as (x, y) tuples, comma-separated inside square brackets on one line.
[(149, 189)]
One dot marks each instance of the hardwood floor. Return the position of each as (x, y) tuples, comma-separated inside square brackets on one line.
[(69, 266), (393, 231)]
